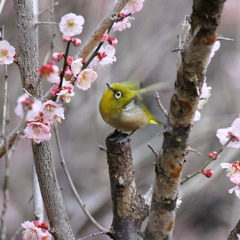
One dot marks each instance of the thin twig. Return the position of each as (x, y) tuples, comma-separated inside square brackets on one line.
[(92, 235), (5, 187), (47, 9), (102, 148), (53, 29), (37, 198), (47, 23), (208, 162), (79, 200), (157, 97), (153, 150)]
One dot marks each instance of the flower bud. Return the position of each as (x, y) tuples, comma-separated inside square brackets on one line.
[(76, 42), (213, 155), (112, 41), (207, 173)]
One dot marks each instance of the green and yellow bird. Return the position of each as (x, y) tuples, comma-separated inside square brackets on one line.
[(121, 106)]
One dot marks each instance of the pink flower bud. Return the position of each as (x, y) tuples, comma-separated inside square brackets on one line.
[(69, 60), (57, 56), (112, 41), (42, 224), (76, 42), (213, 155), (207, 173)]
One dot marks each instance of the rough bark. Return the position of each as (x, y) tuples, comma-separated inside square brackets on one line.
[(129, 208), (192, 66), (28, 65), (235, 233)]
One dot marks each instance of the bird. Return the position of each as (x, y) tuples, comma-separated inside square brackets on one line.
[(122, 108)]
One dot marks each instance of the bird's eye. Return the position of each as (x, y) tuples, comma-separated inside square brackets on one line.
[(118, 94)]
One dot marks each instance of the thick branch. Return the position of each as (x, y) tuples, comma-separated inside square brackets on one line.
[(102, 27), (28, 57), (191, 72), (129, 209)]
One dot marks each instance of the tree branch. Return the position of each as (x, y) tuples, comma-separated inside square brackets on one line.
[(129, 209), (102, 27), (28, 65), (192, 66)]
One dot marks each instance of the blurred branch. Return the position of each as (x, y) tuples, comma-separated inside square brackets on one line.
[(192, 65), (235, 233), (102, 27), (129, 208), (3, 227), (28, 65), (79, 200)]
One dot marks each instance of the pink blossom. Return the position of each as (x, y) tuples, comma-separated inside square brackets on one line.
[(7, 52), (32, 107), (105, 57), (224, 134), (233, 171), (204, 96), (66, 91), (215, 48), (124, 23), (134, 6), (85, 78), (37, 131), (76, 66), (53, 111), (197, 116), (235, 189), (104, 37), (71, 25), (32, 232), (51, 72)]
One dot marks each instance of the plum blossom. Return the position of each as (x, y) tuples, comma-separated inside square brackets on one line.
[(111, 40), (203, 99), (233, 172), (104, 57), (33, 232), (71, 25), (32, 107), (204, 96), (124, 23), (85, 79), (224, 134), (53, 111), (66, 91), (215, 48), (76, 66), (37, 131), (7, 52), (134, 6), (51, 72)]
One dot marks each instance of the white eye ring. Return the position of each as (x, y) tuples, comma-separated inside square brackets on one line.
[(118, 94)]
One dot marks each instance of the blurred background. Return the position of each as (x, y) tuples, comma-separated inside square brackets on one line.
[(144, 54)]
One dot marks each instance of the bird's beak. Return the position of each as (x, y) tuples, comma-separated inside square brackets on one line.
[(109, 87)]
